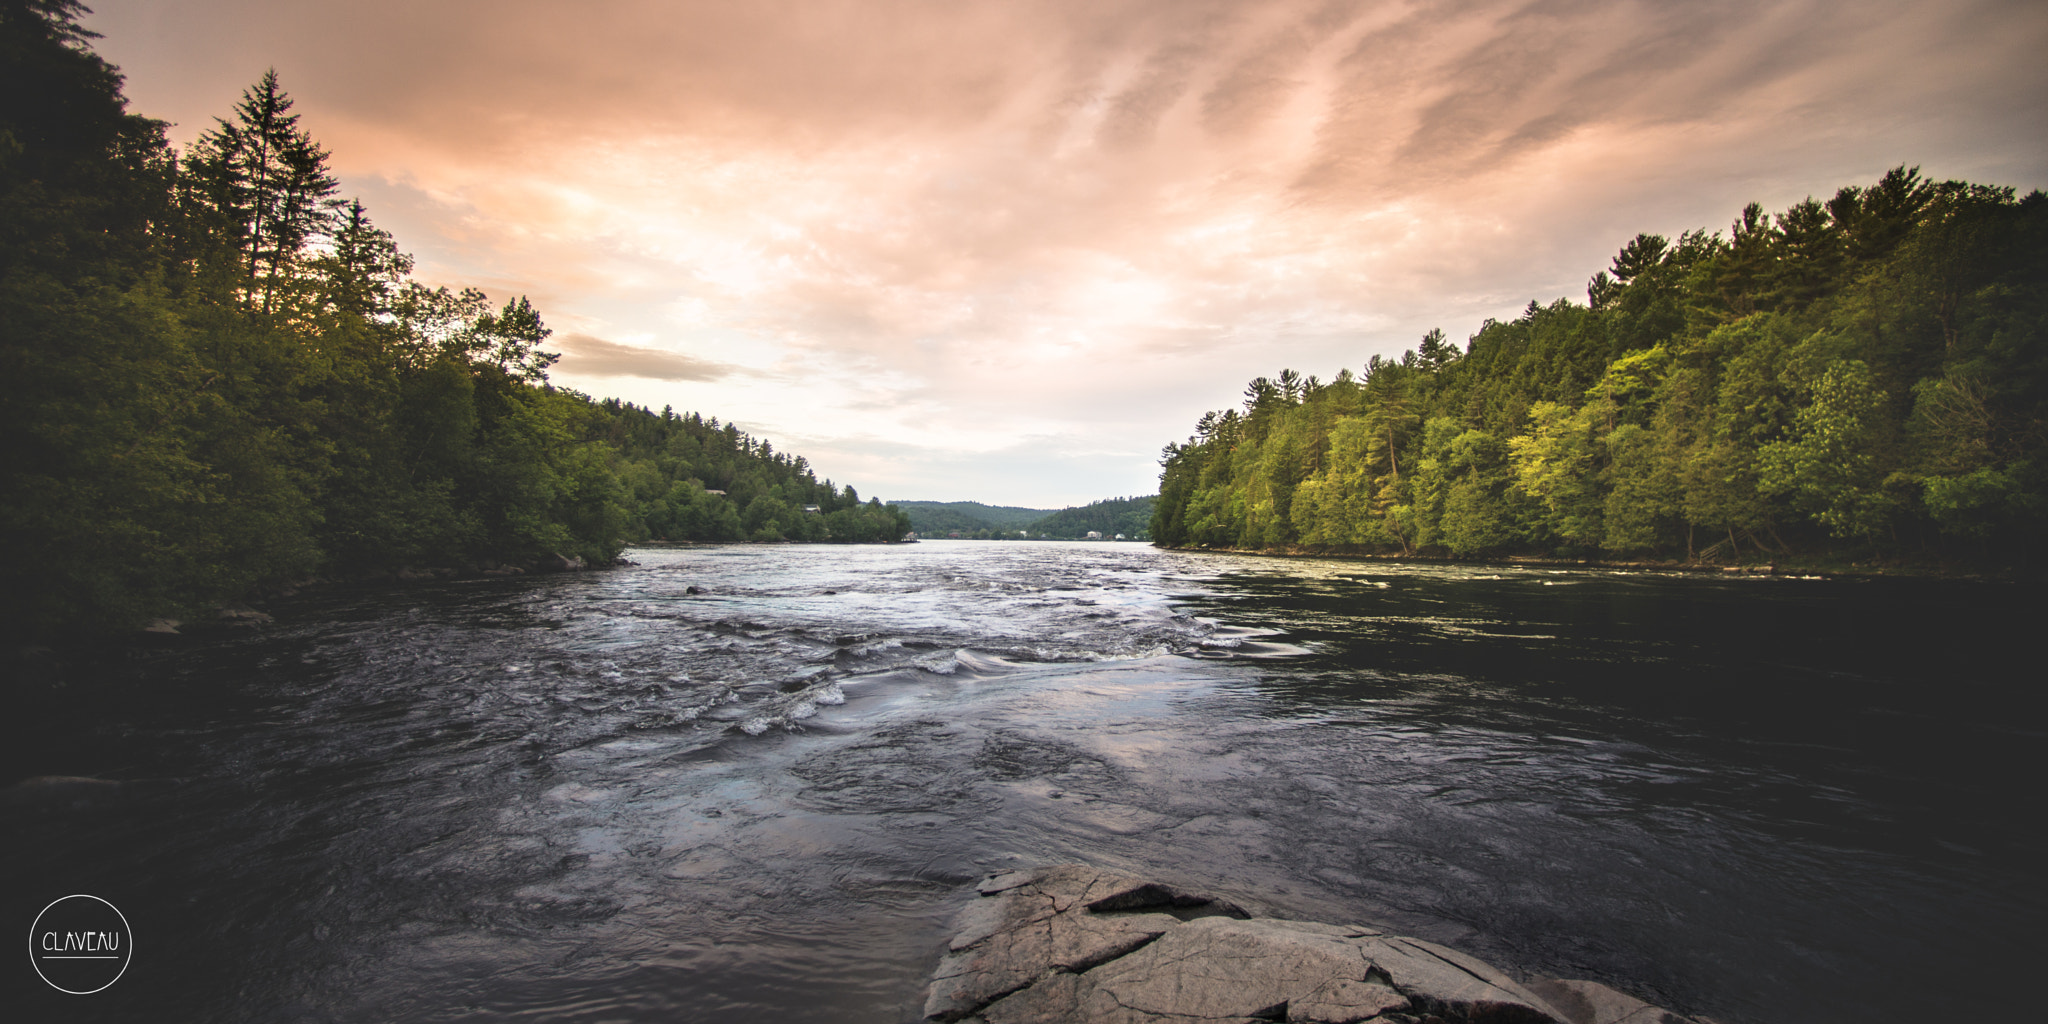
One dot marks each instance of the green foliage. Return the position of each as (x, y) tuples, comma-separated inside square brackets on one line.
[(214, 374), (972, 520), (690, 479), (1829, 466), (1860, 376), (969, 518), (1131, 517)]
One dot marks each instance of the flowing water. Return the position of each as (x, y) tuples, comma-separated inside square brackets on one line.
[(751, 782)]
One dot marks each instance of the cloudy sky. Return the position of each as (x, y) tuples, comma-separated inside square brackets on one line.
[(1004, 251)]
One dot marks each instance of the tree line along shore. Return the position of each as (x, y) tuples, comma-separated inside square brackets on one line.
[(1860, 379), (217, 374), (1127, 518)]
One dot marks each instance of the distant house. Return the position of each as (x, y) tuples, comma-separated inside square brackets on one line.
[(1095, 535), (810, 508), (708, 490)]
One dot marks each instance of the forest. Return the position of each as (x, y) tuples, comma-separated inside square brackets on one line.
[(1860, 379), (1131, 517), (690, 479), (972, 520), (216, 373)]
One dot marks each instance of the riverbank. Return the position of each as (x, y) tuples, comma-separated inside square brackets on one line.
[(1829, 568)]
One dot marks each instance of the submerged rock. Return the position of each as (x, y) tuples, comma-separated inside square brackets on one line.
[(60, 791), (242, 615), (1079, 944)]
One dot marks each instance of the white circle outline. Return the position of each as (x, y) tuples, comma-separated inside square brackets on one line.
[(125, 929)]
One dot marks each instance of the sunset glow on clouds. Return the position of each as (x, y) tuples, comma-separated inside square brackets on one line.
[(1005, 251)]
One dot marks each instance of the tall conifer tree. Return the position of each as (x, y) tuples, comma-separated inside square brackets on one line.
[(269, 188)]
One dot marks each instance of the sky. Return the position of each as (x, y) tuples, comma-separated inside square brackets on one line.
[(1006, 251)]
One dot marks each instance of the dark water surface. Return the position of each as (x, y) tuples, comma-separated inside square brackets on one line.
[(599, 797)]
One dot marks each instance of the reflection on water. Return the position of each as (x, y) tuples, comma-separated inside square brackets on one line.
[(748, 782)]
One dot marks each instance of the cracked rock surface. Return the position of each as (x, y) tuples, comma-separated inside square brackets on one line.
[(1079, 944)]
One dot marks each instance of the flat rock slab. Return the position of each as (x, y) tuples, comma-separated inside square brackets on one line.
[(1589, 1002), (1080, 944)]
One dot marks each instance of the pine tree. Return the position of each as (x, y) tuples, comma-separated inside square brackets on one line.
[(266, 185)]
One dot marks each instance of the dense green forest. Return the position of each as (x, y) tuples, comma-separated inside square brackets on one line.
[(215, 372), (969, 518), (1131, 517), (690, 479), (972, 520), (1857, 378)]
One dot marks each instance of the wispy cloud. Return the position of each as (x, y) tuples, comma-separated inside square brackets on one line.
[(586, 356)]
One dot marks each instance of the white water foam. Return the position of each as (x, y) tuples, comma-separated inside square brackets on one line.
[(943, 664)]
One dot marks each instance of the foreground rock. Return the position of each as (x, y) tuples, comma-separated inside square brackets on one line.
[(1078, 944)]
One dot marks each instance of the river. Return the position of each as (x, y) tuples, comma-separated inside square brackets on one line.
[(751, 782)]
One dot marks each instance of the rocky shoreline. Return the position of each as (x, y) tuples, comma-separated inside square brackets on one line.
[(1073, 944)]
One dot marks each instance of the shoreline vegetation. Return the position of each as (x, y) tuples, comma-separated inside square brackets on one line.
[(1803, 568), (1858, 383), (218, 377), (1127, 518)]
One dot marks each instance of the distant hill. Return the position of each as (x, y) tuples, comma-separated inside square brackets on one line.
[(1131, 517), (938, 518)]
